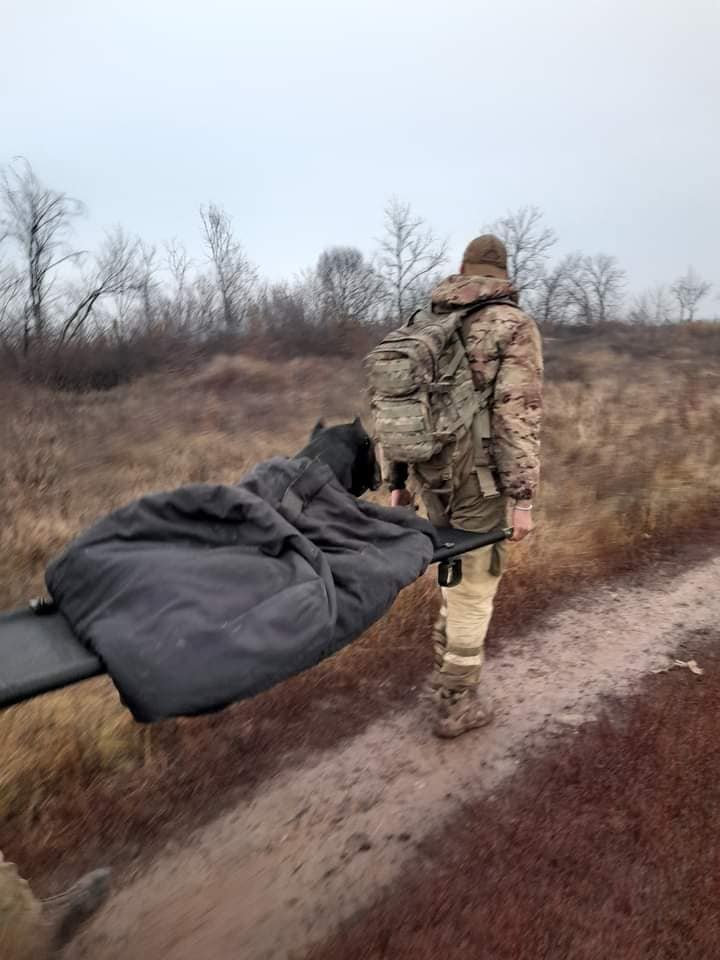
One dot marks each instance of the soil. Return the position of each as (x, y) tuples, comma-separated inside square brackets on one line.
[(319, 843)]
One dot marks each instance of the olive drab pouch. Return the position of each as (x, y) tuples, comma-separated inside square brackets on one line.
[(421, 387)]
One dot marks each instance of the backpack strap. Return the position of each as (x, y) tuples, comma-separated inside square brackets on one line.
[(481, 425), (460, 354), (499, 302), (411, 319)]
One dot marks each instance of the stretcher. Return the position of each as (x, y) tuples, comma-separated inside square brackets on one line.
[(39, 652)]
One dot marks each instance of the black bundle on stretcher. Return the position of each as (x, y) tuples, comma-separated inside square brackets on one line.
[(199, 597), (40, 653)]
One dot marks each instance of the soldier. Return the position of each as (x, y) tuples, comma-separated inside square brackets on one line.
[(491, 479), (32, 929)]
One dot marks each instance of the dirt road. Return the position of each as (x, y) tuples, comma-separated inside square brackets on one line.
[(316, 845)]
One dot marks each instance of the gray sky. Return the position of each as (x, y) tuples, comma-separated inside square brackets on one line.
[(302, 117)]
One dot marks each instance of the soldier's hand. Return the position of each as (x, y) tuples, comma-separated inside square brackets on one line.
[(401, 498), (522, 524)]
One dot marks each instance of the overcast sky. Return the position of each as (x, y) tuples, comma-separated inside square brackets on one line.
[(302, 117)]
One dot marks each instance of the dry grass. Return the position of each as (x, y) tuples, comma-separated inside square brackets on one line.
[(630, 462), (605, 848)]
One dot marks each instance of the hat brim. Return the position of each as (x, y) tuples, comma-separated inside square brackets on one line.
[(483, 270)]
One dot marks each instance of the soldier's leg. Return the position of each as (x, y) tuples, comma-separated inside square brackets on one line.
[(65, 913), (23, 935), (32, 929), (469, 611), (439, 634), (434, 508), (432, 687)]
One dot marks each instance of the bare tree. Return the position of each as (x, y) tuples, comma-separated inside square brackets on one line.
[(553, 298), (236, 276), (147, 283), (117, 269), (528, 241), (203, 297), (11, 306), (661, 304), (640, 312), (286, 308), (410, 255), (178, 263), (39, 220), (133, 304), (578, 289), (349, 288), (180, 300), (606, 282), (597, 285), (689, 290), (652, 307)]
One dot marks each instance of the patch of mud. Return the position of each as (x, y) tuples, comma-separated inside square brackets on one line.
[(317, 844)]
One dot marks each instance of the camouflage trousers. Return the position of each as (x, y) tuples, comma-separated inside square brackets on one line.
[(466, 610), (22, 933)]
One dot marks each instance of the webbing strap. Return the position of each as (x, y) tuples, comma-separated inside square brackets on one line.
[(460, 355), (486, 481)]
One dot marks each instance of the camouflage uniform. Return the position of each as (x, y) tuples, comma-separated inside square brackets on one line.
[(473, 484), (21, 929), (32, 929)]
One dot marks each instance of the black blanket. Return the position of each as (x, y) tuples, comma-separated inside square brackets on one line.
[(208, 594)]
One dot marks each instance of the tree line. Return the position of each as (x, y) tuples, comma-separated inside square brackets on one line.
[(52, 293)]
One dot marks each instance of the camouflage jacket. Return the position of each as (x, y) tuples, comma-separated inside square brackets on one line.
[(505, 355)]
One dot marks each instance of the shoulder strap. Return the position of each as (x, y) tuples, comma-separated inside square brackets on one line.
[(497, 302), (411, 320), (469, 314)]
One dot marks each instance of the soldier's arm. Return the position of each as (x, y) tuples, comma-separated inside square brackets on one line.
[(398, 476), (517, 409), (400, 496)]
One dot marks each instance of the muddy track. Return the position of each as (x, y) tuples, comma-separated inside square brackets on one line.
[(319, 843)]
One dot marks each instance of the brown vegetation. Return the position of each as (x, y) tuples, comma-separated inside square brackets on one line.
[(631, 462), (605, 848)]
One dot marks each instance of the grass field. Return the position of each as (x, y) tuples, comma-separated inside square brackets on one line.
[(604, 848), (630, 466)]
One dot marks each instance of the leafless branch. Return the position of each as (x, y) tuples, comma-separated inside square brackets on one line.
[(689, 290), (553, 297), (39, 220), (409, 255), (652, 307), (604, 282), (117, 269), (528, 243), (236, 276), (349, 288)]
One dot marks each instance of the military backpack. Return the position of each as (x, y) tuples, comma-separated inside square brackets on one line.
[(421, 386)]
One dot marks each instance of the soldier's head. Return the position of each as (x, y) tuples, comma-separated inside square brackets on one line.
[(485, 256)]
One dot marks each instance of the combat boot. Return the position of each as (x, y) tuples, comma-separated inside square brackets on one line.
[(461, 711), (64, 914), (432, 688)]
